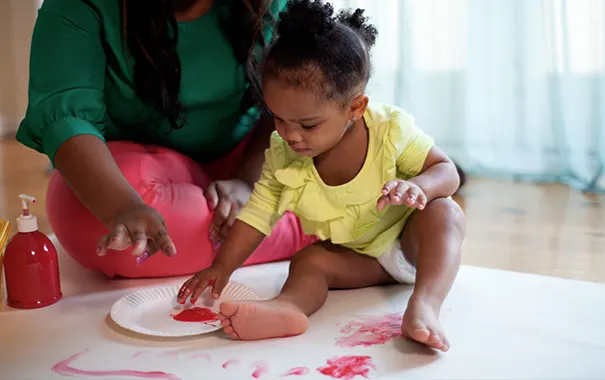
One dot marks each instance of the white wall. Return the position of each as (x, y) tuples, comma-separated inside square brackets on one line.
[(17, 18)]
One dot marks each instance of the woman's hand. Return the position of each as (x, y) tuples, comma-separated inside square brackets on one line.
[(141, 227), (215, 276), (226, 199), (400, 192)]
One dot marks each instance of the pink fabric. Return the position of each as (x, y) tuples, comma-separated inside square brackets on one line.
[(173, 184)]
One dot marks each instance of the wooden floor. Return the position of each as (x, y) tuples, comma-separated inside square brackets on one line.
[(543, 229)]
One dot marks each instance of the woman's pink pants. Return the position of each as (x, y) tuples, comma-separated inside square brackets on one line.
[(174, 185)]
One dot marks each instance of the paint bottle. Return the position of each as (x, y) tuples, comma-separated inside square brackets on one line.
[(31, 268)]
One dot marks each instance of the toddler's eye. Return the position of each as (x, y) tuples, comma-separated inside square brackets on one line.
[(309, 126)]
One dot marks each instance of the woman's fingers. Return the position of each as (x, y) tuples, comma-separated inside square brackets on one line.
[(159, 234), (221, 215), (138, 236), (102, 245), (224, 232), (211, 195), (119, 238)]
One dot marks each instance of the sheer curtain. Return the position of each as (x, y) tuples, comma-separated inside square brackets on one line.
[(509, 88)]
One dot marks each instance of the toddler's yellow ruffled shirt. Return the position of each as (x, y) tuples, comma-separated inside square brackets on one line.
[(345, 214)]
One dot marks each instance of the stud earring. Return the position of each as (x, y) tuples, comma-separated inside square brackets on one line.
[(354, 118)]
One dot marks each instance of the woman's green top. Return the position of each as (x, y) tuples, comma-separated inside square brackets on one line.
[(81, 82)]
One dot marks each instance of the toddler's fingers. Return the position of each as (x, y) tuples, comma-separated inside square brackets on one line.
[(388, 187), (187, 289), (383, 201), (202, 284), (219, 285), (421, 201), (398, 193), (412, 195)]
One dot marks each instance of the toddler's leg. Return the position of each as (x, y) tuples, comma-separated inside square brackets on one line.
[(313, 270), (432, 241)]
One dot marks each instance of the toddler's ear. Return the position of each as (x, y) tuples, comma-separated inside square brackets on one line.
[(358, 107)]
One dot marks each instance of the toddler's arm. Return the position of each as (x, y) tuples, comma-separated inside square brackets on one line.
[(438, 177)]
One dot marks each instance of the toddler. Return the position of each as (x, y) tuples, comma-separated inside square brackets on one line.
[(361, 177)]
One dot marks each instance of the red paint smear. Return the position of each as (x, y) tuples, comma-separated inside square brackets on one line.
[(229, 363), (348, 367), (196, 314), (63, 368), (371, 330), (298, 371), (138, 353), (261, 369)]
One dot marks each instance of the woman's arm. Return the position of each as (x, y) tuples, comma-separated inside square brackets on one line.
[(88, 167), (253, 158), (66, 120), (226, 198)]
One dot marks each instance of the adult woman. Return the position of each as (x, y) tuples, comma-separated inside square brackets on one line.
[(143, 107)]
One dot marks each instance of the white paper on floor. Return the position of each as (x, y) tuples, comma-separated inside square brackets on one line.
[(500, 325)]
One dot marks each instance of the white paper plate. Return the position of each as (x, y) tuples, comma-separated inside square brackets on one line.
[(149, 311)]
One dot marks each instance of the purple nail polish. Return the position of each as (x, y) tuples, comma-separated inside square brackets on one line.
[(142, 258)]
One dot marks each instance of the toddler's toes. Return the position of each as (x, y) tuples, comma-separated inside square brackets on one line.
[(435, 340)]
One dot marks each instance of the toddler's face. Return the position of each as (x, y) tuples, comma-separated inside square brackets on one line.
[(310, 126)]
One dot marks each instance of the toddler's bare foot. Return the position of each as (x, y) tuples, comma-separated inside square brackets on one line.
[(261, 320), (421, 323)]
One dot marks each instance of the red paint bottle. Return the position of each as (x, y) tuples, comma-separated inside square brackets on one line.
[(31, 268)]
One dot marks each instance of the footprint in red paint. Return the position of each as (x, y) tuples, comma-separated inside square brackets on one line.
[(348, 367), (370, 330)]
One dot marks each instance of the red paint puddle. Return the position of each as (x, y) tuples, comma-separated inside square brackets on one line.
[(298, 371), (64, 368), (371, 330), (348, 367), (196, 314), (230, 363), (261, 368)]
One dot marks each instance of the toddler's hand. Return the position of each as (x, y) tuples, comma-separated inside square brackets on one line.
[(400, 192), (215, 275)]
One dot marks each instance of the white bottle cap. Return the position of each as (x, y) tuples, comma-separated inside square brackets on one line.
[(26, 222)]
